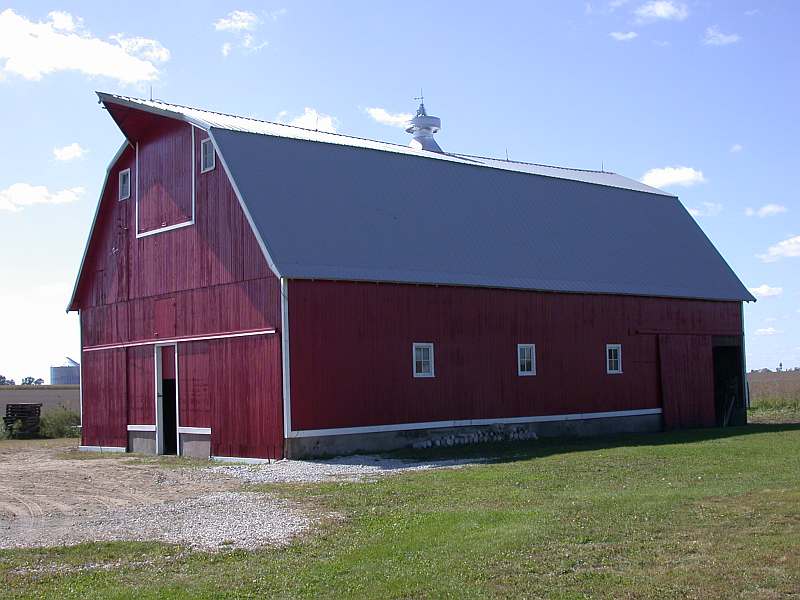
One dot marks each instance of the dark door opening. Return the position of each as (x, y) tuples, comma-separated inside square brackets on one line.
[(728, 391), (168, 417)]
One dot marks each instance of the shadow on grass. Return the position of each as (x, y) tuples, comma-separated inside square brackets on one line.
[(543, 447)]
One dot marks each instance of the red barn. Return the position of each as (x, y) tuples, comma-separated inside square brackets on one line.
[(255, 290)]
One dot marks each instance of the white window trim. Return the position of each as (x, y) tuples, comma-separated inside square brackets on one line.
[(532, 372), (120, 197), (414, 347), (618, 348), (213, 157)]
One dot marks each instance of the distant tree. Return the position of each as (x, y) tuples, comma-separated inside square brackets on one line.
[(4, 381), (27, 381), (39, 381)]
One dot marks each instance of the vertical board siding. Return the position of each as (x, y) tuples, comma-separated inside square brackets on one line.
[(351, 345), (165, 184), (234, 387), (141, 385), (207, 278), (687, 379), (104, 399)]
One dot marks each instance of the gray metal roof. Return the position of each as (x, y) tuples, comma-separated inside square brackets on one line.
[(350, 213), (330, 206), (207, 119)]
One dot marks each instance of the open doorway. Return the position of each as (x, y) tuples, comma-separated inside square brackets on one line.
[(166, 400), (728, 385)]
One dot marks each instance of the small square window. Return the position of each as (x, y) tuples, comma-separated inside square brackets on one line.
[(206, 155), (526, 359), (423, 359), (124, 184), (613, 359)]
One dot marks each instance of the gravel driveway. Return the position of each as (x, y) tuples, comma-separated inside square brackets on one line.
[(53, 496)]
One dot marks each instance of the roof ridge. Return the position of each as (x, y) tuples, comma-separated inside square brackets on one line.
[(224, 114), (354, 137), (533, 164)]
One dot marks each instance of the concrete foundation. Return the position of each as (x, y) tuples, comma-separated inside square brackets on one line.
[(143, 442), (195, 445), (332, 445)]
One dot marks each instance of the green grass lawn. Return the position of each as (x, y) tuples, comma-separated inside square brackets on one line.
[(710, 513)]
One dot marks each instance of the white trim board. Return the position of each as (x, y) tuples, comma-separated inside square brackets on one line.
[(473, 422), (141, 427), (243, 460), (102, 449), (195, 430), (285, 366), (168, 341)]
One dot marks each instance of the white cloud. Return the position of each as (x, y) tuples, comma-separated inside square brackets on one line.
[(768, 210), (667, 176), (33, 49), (69, 152), (20, 195), (243, 24), (665, 10), (311, 119), (238, 20), (736, 148), (765, 291), (144, 47), (709, 209), (621, 36), (384, 117), (752, 12), (64, 21), (714, 37), (788, 248), (768, 331)]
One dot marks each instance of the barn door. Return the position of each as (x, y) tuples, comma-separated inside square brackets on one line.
[(687, 380)]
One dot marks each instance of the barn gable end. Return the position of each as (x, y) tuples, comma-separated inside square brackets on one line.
[(176, 261)]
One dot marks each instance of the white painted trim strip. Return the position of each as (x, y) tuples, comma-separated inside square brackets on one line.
[(141, 427), (285, 366), (170, 341), (472, 422), (246, 461), (102, 449), (195, 430)]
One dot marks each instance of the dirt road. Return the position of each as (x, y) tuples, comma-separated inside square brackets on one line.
[(52, 495)]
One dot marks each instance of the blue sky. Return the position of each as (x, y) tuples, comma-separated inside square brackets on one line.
[(699, 98)]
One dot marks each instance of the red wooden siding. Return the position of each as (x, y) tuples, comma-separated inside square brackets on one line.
[(219, 249), (141, 386), (234, 387), (167, 362), (202, 279), (350, 347), (165, 194), (687, 380), (103, 379)]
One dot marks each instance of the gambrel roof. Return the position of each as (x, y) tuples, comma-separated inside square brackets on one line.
[(329, 206)]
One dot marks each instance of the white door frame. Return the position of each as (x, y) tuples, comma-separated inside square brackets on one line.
[(159, 396)]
